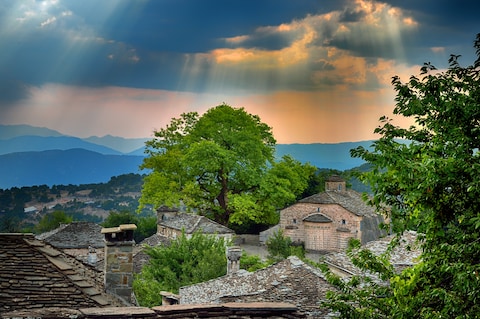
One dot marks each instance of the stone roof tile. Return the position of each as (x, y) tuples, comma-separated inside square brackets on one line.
[(191, 223), (74, 235), (290, 281), (406, 254), (348, 199), (32, 276)]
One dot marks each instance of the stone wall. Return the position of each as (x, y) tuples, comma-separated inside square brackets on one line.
[(330, 236), (224, 311)]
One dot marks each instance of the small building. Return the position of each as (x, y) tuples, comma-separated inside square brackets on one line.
[(74, 235), (405, 254), (326, 221), (82, 240), (30, 210), (35, 275), (171, 223), (290, 280)]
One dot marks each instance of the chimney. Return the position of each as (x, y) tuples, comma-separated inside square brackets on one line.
[(335, 183), (233, 259), (169, 298), (119, 261), (92, 256)]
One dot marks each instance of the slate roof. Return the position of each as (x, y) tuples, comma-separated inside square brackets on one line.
[(335, 178), (290, 280), (74, 235), (156, 240), (348, 199), (35, 275), (406, 254), (317, 218), (192, 223)]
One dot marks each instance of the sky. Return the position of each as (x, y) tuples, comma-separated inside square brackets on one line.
[(316, 71)]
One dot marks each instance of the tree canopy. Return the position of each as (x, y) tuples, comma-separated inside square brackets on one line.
[(52, 221), (221, 165), (146, 225), (428, 177)]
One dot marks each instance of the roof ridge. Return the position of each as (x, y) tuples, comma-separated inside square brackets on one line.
[(195, 225)]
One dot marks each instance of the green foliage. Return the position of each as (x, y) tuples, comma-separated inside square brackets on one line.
[(115, 219), (221, 165), (429, 182), (252, 262), (146, 226), (186, 261), (281, 247), (316, 182), (9, 223), (51, 221)]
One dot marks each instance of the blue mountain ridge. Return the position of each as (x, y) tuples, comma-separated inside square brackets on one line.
[(63, 167), (11, 131), (27, 160), (42, 143), (324, 155)]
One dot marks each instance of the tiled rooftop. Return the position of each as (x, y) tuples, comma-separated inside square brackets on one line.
[(290, 280), (36, 275), (74, 235), (348, 199), (191, 223), (406, 254)]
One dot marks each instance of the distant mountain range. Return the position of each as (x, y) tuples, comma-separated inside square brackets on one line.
[(35, 156), (63, 167)]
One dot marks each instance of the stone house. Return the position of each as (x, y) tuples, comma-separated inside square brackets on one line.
[(75, 235), (405, 254), (33, 274), (326, 221), (171, 223), (82, 240), (40, 281), (290, 280)]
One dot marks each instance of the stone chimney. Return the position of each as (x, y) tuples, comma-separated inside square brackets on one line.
[(335, 183), (119, 261), (169, 298), (233, 259)]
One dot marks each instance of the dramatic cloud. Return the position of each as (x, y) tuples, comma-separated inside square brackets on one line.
[(127, 67)]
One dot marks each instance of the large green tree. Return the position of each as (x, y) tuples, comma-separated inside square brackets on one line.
[(185, 262), (429, 181), (221, 165)]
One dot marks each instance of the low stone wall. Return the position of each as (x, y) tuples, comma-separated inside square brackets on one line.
[(223, 311), (245, 239)]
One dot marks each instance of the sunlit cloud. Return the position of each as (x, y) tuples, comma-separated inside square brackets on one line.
[(129, 112), (438, 49), (307, 76), (334, 48), (48, 21)]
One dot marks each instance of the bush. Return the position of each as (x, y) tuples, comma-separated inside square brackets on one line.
[(280, 247), (252, 262), (186, 261)]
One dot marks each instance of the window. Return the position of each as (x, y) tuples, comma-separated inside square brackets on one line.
[(339, 187), (344, 222), (294, 221)]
